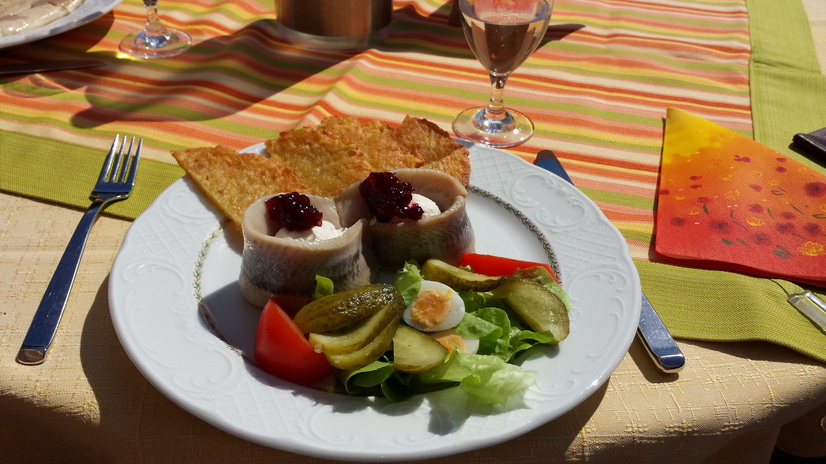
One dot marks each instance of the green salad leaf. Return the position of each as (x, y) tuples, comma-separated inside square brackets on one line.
[(323, 287), (487, 378), (366, 378), (409, 282)]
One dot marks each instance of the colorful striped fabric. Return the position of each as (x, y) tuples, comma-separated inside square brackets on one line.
[(597, 89)]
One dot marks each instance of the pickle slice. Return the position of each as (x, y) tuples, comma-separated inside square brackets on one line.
[(344, 308), (371, 351), (540, 308), (458, 278), (361, 334), (415, 352)]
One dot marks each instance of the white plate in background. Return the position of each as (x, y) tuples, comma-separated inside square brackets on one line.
[(89, 11)]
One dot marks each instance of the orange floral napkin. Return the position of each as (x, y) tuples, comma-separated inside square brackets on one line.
[(727, 202)]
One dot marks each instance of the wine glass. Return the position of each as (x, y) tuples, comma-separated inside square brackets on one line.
[(501, 34), (155, 40)]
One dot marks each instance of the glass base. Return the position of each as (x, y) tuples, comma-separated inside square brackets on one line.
[(142, 45), (514, 129)]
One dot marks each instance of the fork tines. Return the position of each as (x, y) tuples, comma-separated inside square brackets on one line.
[(118, 166)]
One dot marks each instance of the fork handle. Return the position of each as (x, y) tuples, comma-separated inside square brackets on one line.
[(44, 324)]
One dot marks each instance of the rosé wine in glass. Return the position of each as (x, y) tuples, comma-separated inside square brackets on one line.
[(502, 34)]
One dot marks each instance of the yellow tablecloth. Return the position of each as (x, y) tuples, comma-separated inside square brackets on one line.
[(240, 83)]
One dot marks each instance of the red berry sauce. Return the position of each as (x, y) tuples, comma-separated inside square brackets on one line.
[(292, 211), (388, 197)]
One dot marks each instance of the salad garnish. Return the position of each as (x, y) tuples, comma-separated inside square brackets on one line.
[(375, 352)]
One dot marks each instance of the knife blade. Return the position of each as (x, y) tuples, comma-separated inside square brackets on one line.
[(652, 332), (43, 66)]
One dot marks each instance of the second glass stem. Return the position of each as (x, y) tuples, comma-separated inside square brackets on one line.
[(153, 20), (496, 104)]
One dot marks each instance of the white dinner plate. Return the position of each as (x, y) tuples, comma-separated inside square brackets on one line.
[(89, 11), (176, 254)]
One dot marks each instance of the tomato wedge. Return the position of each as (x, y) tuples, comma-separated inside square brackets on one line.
[(499, 266), (282, 350)]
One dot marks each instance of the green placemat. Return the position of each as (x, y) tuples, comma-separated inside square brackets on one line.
[(724, 306), (64, 173), (788, 88), (788, 92)]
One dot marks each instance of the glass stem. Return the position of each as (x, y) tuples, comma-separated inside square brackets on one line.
[(496, 105), (153, 20)]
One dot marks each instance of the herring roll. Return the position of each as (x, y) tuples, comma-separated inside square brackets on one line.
[(441, 229), (283, 263)]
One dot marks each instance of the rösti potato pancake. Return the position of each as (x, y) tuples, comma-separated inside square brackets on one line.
[(232, 181), (326, 163), (321, 160), (435, 146)]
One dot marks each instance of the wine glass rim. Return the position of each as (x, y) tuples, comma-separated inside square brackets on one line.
[(467, 7)]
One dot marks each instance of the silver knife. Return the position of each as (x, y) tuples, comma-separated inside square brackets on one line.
[(43, 66), (654, 335)]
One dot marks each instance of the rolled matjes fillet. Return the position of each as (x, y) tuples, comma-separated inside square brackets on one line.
[(285, 268), (445, 236)]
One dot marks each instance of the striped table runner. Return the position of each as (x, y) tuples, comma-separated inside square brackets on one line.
[(597, 88)]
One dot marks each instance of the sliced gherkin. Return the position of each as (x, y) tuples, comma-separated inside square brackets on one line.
[(540, 308), (457, 277), (415, 352), (360, 334), (345, 308), (380, 339)]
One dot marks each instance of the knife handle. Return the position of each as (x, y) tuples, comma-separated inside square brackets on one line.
[(553, 165), (658, 341)]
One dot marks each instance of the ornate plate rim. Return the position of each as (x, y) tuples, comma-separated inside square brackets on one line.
[(495, 172)]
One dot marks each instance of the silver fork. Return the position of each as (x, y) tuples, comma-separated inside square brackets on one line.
[(115, 182)]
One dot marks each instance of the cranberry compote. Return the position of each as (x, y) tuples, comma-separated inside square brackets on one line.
[(292, 211), (388, 197)]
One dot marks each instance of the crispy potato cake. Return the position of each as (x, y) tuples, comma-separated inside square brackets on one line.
[(435, 146), (375, 140), (325, 163), (232, 181), (341, 140), (321, 160)]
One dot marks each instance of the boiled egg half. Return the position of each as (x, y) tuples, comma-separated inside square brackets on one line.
[(453, 341), (436, 307)]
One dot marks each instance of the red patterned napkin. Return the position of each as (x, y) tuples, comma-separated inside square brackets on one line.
[(728, 202)]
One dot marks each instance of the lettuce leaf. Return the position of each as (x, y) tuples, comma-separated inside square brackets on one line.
[(380, 378), (323, 287), (487, 378), (409, 282), (372, 375)]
